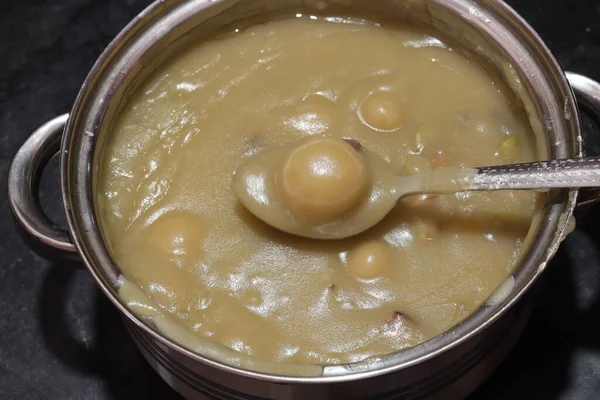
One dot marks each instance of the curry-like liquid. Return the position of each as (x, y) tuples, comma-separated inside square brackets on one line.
[(177, 231)]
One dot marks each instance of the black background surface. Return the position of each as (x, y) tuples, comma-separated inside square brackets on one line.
[(61, 339)]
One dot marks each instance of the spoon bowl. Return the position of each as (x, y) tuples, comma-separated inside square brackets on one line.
[(254, 186)]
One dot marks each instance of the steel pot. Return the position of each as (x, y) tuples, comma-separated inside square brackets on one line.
[(449, 366)]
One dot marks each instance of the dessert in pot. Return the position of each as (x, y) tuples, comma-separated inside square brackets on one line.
[(178, 232)]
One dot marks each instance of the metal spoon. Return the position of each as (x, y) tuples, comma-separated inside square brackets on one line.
[(254, 187)]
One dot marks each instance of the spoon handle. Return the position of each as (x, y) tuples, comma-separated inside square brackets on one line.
[(553, 174)]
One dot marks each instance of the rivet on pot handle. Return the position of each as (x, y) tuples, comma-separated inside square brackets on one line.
[(587, 92), (40, 233)]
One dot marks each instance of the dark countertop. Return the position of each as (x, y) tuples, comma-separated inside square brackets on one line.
[(61, 339)]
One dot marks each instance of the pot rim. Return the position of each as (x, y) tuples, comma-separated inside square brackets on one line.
[(78, 198)]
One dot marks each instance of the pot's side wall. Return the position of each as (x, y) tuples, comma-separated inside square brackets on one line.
[(453, 375)]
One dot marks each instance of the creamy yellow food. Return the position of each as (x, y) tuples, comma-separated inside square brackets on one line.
[(176, 230)]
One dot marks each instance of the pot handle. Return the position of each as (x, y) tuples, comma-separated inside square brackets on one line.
[(587, 92), (38, 231)]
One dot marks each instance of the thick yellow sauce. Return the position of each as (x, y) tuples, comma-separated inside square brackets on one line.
[(176, 230)]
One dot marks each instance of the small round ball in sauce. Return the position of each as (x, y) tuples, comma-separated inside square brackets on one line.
[(369, 260), (176, 234), (171, 286), (322, 179), (159, 258), (381, 111), (318, 113)]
